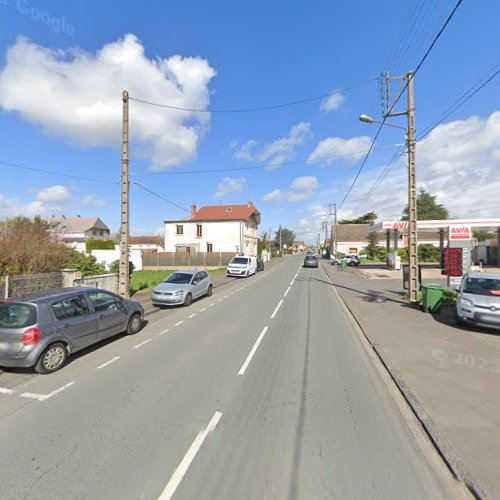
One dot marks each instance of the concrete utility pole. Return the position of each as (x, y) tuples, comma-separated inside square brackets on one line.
[(123, 278), (335, 230), (280, 242), (269, 240)]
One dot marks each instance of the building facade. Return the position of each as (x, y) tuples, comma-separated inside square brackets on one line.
[(224, 228)]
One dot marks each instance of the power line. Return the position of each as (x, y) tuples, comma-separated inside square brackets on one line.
[(159, 196), (252, 110), (424, 58), (51, 172)]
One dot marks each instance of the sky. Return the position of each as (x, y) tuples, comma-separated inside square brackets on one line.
[(64, 65)]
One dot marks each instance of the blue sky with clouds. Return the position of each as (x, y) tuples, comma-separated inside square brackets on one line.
[(63, 67)]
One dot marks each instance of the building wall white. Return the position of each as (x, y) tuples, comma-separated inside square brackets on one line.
[(225, 236), (108, 256)]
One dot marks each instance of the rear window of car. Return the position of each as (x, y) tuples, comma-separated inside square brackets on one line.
[(240, 260), (17, 315)]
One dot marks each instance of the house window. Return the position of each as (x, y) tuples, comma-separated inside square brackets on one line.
[(179, 229), (210, 248), (199, 232)]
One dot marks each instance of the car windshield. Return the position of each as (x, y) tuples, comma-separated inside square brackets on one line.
[(179, 278), (239, 260), (483, 286), (17, 315)]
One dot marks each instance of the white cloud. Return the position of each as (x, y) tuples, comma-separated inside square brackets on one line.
[(75, 94), (338, 149), (277, 151), (53, 194), (229, 185), (300, 189), (459, 162), (332, 103), (93, 201)]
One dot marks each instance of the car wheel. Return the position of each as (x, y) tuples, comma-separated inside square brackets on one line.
[(210, 291), (134, 324), (188, 300), (52, 359)]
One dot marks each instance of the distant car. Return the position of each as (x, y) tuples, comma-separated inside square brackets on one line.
[(260, 264), (352, 260), (43, 329), (310, 261), (478, 301), (181, 288), (310, 252), (242, 266)]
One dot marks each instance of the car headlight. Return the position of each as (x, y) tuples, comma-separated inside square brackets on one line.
[(179, 292), (466, 302)]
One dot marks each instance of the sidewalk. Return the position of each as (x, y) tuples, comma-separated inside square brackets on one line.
[(449, 375)]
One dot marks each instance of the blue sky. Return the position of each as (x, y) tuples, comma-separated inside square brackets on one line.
[(68, 62)]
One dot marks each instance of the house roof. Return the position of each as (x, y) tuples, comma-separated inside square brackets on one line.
[(225, 212), (351, 232), (75, 224), (145, 240)]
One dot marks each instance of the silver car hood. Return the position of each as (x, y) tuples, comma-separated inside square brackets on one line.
[(171, 287), (482, 300)]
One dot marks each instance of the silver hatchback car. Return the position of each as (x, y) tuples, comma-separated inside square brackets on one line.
[(181, 288), (43, 329)]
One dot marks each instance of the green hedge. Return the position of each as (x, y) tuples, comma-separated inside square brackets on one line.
[(94, 244)]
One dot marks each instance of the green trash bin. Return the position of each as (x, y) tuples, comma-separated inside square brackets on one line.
[(343, 263), (432, 297)]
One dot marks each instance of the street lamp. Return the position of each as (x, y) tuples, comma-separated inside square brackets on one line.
[(369, 119)]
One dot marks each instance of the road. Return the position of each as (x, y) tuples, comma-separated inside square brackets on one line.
[(261, 391)]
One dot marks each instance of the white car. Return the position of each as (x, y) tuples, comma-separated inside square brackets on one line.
[(242, 266)]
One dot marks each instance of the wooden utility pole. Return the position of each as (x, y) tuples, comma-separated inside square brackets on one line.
[(412, 196), (123, 278)]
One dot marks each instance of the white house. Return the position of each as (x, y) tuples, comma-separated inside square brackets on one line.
[(224, 228)]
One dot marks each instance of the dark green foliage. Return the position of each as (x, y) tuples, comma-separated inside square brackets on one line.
[(427, 208), (94, 244), (86, 264), (114, 267), (368, 218)]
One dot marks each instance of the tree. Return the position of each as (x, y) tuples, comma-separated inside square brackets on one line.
[(287, 237), (427, 208), (262, 244), (372, 249), (368, 218), (483, 235), (86, 264), (95, 244), (114, 267)]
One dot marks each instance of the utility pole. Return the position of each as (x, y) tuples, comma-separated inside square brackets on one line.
[(123, 278), (335, 230), (280, 242), (412, 196), (269, 241)]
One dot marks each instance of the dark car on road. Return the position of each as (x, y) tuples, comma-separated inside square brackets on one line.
[(43, 329), (310, 261), (260, 264)]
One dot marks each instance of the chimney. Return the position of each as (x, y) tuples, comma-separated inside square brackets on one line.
[(193, 209), (249, 204)]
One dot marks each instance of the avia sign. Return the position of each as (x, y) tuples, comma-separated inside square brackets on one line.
[(460, 233)]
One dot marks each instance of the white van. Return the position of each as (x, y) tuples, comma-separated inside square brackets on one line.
[(242, 266)]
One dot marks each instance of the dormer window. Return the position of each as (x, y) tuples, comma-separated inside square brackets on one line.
[(229, 209)]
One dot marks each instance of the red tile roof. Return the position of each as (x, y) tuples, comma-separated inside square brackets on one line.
[(226, 212)]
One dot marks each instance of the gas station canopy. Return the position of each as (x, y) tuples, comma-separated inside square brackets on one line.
[(435, 225)]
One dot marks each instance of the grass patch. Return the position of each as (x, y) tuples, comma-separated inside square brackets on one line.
[(219, 270)]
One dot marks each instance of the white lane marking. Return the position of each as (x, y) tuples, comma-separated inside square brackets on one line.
[(232, 293), (4, 390), (291, 282), (286, 293), (238, 289), (182, 468), (44, 397), (226, 296), (212, 304), (164, 331), (142, 343), (204, 309), (276, 310), (108, 362), (252, 352), (191, 315), (179, 322)]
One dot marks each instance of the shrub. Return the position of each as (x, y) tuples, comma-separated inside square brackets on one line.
[(114, 267), (87, 264), (428, 253), (93, 244)]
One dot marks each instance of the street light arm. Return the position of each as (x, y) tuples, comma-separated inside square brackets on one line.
[(369, 119)]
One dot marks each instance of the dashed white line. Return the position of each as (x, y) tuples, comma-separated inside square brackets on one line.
[(164, 331), (44, 397), (204, 309), (108, 362), (182, 468), (179, 322), (226, 296), (4, 390), (252, 352), (286, 293), (276, 310), (142, 343), (291, 282), (191, 315), (212, 304)]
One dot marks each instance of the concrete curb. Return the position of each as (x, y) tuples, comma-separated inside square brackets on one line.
[(448, 455)]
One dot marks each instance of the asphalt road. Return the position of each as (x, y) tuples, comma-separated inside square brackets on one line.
[(261, 391)]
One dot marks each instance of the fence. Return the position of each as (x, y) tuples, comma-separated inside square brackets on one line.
[(175, 260), (15, 286)]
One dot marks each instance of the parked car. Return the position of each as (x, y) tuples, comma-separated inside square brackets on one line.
[(42, 330), (310, 261), (352, 260), (260, 264), (242, 266), (181, 288), (478, 301)]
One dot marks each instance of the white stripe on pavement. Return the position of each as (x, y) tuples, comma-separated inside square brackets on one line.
[(191, 315), (252, 352), (108, 362), (44, 397), (286, 293), (164, 331), (276, 310), (179, 322), (142, 343), (182, 468), (4, 390)]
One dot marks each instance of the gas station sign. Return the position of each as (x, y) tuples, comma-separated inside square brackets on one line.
[(460, 233)]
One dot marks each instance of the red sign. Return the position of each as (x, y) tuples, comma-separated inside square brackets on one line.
[(453, 261), (460, 233), (400, 225)]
